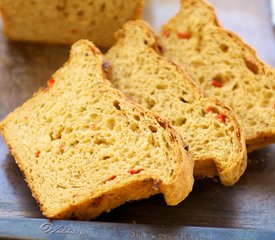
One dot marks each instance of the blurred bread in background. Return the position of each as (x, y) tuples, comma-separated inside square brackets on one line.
[(66, 21)]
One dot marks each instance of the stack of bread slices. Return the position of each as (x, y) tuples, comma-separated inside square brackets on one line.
[(145, 118)]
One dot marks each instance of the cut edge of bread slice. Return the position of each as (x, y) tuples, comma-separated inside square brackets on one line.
[(264, 136), (136, 40), (136, 184)]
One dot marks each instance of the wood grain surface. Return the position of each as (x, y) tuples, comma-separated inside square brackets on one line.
[(24, 67)]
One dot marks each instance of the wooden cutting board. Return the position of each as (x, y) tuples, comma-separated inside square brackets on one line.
[(250, 204)]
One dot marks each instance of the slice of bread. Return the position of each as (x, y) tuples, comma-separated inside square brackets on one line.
[(85, 149), (62, 21), (225, 67), (210, 129)]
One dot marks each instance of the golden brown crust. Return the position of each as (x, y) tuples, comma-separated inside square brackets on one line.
[(260, 144), (139, 9)]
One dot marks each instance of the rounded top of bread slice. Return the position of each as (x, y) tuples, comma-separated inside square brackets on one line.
[(212, 132), (85, 149), (224, 67)]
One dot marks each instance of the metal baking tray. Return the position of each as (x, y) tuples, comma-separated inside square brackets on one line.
[(212, 211)]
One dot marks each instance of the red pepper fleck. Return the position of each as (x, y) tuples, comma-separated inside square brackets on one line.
[(216, 83), (37, 153), (123, 113), (166, 33), (221, 117), (93, 126), (62, 148), (111, 178), (134, 171), (183, 35), (50, 82), (210, 110), (95, 50)]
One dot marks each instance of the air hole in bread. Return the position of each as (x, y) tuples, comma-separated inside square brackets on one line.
[(84, 128), (106, 157), (130, 155), (197, 63), (100, 141), (83, 109), (158, 48), (162, 124), (183, 100), (151, 139), (116, 105), (111, 123), (134, 126), (199, 44), (150, 103), (268, 95), (265, 103), (251, 65), (161, 86), (179, 121), (74, 143), (250, 106), (172, 171), (219, 134), (224, 47), (252, 123), (51, 136), (136, 117), (217, 125), (153, 129), (203, 126), (93, 116), (198, 149), (236, 86), (201, 80)]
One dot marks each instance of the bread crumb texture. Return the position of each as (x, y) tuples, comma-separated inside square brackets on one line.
[(62, 21), (224, 67), (214, 136), (85, 149)]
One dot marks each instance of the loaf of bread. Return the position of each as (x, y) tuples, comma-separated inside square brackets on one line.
[(66, 21), (85, 149), (214, 136), (225, 67)]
